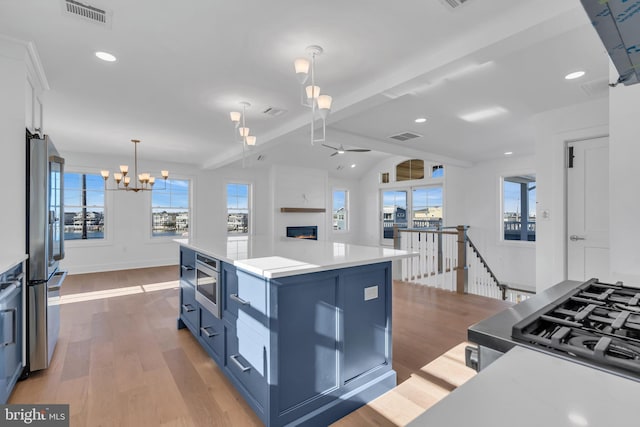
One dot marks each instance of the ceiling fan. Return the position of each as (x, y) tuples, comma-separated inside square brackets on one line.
[(342, 150)]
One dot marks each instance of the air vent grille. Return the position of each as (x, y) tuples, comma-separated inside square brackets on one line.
[(87, 12), (453, 4), (405, 136), (274, 111)]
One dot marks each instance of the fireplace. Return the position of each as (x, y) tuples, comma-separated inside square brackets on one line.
[(303, 232)]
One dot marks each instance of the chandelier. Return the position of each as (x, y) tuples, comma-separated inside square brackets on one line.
[(238, 119), (310, 94), (145, 181)]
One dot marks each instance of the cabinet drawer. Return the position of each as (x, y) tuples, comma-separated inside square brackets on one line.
[(245, 293), (187, 264), (211, 332), (188, 306), (246, 360)]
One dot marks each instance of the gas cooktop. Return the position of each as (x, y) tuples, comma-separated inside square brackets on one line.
[(597, 324)]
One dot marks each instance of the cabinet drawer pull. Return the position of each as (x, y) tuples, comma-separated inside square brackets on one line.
[(186, 267), (205, 331), (188, 308), (235, 297), (240, 365)]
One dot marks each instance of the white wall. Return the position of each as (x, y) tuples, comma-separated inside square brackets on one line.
[(554, 129), (296, 187), (473, 198), (369, 197), (354, 227), (624, 145), (128, 242), (211, 200), (13, 74)]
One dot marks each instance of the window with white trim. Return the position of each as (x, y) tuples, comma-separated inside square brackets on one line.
[(519, 208), (170, 209), (340, 210), (83, 206), (238, 208)]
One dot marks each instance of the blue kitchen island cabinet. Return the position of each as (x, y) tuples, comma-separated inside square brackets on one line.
[(304, 343), (310, 348)]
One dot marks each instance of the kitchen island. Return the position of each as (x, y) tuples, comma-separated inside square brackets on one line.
[(301, 328)]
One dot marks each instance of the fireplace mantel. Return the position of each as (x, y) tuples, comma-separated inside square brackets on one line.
[(302, 210)]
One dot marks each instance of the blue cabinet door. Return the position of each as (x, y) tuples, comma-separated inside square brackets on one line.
[(188, 305), (367, 309), (211, 333), (187, 265), (247, 361), (308, 340)]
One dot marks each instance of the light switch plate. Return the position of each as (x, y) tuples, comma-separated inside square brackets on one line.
[(371, 293)]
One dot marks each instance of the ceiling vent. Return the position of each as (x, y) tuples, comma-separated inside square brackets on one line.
[(260, 158), (453, 4), (405, 136), (87, 12), (274, 112)]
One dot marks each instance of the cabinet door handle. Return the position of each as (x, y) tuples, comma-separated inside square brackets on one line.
[(205, 331), (188, 308), (235, 297), (186, 267), (234, 357)]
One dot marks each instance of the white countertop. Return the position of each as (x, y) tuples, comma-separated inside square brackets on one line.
[(273, 257), (529, 388), (9, 260)]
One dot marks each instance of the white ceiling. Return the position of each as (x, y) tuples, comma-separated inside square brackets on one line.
[(182, 66)]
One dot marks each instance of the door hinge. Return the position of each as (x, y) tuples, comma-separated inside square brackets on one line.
[(570, 157)]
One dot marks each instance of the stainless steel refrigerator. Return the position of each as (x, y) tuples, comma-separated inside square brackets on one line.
[(45, 246)]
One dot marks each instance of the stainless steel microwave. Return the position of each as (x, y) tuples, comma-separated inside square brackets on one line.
[(208, 292)]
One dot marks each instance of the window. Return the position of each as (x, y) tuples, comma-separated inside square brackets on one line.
[(238, 208), (410, 169), (83, 206), (426, 207), (394, 211), (170, 209), (437, 171), (340, 210), (519, 208)]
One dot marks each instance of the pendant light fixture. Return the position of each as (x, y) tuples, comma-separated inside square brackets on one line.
[(240, 122), (320, 104), (145, 181)]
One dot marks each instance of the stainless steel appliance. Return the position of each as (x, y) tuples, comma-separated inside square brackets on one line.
[(597, 324), (12, 337), (208, 283), (45, 246)]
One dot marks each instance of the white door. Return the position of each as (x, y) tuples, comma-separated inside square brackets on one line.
[(588, 210)]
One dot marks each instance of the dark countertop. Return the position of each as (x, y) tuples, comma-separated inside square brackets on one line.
[(495, 332)]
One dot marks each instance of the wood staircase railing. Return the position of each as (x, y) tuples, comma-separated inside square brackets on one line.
[(448, 259)]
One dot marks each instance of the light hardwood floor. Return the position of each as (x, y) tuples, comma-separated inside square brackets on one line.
[(120, 361)]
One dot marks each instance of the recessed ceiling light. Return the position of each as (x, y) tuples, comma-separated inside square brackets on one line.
[(353, 165), (420, 120), (106, 56), (487, 113), (574, 75), (508, 153)]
